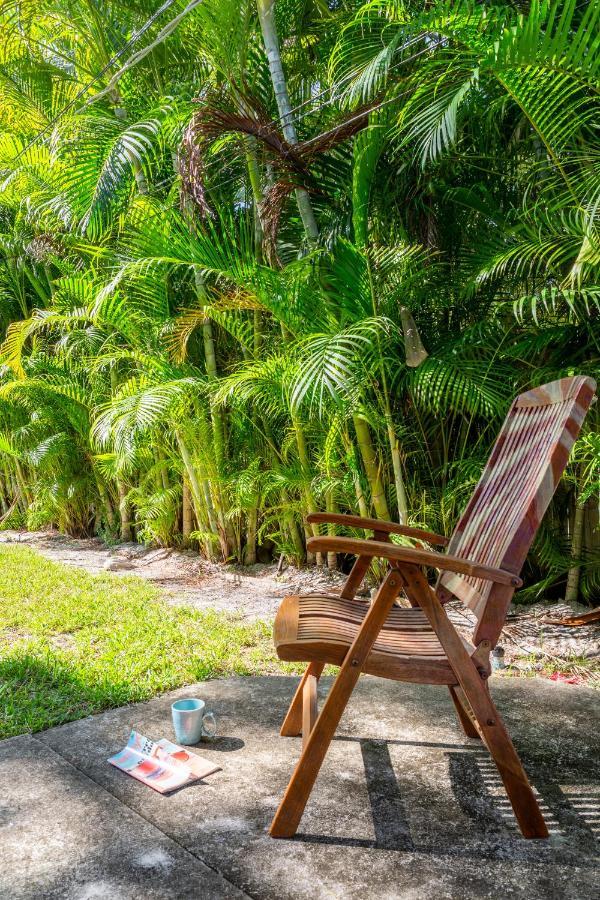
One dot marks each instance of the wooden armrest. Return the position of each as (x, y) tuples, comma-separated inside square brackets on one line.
[(378, 525), (394, 552)]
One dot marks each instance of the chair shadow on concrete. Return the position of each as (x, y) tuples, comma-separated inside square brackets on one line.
[(573, 816)]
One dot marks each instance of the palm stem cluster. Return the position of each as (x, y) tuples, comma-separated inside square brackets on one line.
[(261, 258)]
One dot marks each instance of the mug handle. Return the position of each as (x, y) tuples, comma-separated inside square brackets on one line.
[(209, 725)]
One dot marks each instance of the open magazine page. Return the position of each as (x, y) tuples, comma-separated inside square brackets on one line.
[(161, 765)]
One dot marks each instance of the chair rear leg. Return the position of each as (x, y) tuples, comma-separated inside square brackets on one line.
[(292, 724), (517, 786), (486, 716), (463, 711)]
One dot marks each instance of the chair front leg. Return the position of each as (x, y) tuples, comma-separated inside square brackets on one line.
[(287, 818), (293, 722)]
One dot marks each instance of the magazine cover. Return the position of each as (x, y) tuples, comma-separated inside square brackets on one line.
[(161, 764)]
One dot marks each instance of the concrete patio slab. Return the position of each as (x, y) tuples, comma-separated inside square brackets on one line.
[(405, 805), (64, 836)]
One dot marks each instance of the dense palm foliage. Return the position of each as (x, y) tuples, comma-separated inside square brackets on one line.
[(259, 258)]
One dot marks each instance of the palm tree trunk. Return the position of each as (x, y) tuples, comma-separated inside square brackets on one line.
[(126, 532), (210, 361), (186, 512), (266, 15), (311, 505), (3, 503), (22, 482), (332, 507), (106, 502), (369, 458), (200, 493), (288, 522), (572, 590), (122, 490), (163, 469), (251, 528), (398, 475)]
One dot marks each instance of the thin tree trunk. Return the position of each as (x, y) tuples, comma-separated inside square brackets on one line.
[(197, 489), (332, 507), (3, 503), (369, 458), (287, 516), (251, 528), (22, 482), (163, 468), (187, 525), (126, 532), (106, 502), (572, 591), (311, 506), (266, 15), (217, 416), (401, 500)]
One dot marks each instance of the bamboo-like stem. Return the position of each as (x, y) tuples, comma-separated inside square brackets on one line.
[(369, 458), (126, 533), (572, 589), (186, 512), (266, 15)]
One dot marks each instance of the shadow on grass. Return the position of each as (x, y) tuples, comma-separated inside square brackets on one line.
[(39, 692)]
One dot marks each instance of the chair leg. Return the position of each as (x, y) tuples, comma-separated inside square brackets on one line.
[(293, 722), (287, 818), (310, 709), (520, 793), (355, 578), (463, 711), (486, 717)]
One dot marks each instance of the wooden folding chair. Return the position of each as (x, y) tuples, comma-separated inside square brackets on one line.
[(420, 644)]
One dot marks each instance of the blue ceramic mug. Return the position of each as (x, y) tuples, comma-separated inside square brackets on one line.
[(191, 722)]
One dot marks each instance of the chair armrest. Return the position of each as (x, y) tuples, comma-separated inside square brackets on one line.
[(396, 553), (378, 525)]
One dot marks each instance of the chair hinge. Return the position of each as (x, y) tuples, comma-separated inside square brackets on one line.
[(481, 658)]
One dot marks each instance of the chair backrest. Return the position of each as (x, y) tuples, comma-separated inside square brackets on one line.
[(513, 493)]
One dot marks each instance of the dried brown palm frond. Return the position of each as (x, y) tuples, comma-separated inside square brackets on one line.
[(191, 170), (219, 115), (271, 210)]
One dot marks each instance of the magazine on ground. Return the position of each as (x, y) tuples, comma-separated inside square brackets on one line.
[(160, 764)]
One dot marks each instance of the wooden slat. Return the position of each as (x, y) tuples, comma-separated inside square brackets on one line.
[(508, 503), (323, 635)]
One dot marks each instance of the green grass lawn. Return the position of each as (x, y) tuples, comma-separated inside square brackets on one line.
[(72, 644)]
